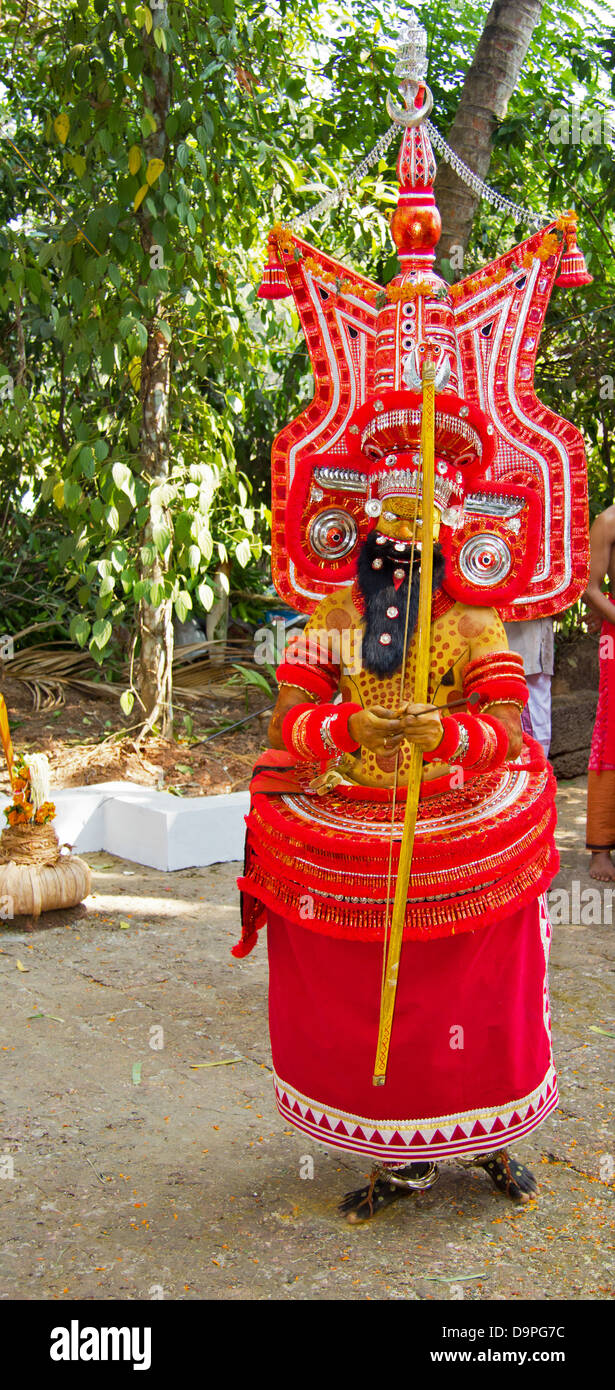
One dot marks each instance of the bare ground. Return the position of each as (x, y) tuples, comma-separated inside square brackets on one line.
[(141, 1170)]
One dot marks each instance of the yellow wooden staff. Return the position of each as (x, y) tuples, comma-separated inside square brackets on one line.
[(421, 685), (5, 738)]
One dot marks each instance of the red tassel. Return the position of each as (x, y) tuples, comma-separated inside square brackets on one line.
[(573, 268), (243, 948), (274, 284)]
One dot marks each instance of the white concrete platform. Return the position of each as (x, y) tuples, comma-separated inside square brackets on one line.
[(151, 827)]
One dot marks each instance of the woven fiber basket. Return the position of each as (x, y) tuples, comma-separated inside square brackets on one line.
[(34, 876)]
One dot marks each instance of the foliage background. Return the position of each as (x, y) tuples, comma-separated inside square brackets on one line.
[(272, 105)]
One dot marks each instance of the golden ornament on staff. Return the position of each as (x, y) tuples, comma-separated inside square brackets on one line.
[(423, 639)]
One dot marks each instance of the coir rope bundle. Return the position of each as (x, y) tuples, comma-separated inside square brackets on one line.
[(29, 844)]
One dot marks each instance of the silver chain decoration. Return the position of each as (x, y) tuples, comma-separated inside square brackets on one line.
[(467, 176), (411, 67), (482, 190), (333, 199)]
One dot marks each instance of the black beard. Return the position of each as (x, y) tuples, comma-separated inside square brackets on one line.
[(379, 593)]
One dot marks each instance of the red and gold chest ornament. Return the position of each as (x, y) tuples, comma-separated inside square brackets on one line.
[(511, 478)]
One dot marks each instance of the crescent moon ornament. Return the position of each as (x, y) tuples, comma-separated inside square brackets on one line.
[(412, 116), (412, 369)]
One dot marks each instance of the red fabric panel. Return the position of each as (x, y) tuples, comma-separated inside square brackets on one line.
[(602, 755), (324, 1004)]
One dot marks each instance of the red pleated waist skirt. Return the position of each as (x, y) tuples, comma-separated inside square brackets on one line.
[(470, 1066)]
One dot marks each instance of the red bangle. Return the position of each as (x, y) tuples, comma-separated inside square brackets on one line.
[(475, 740), (294, 731), (317, 732), (502, 738), (499, 690), (313, 728), (448, 744), (314, 649), (496, 677), (493, 662), (486, 738), (488, 753), (339, 730), (327, 731)]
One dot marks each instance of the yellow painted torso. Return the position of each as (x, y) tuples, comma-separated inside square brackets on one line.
[(458, 636)]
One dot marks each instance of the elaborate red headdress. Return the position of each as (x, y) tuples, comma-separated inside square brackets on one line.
[(512, 480)]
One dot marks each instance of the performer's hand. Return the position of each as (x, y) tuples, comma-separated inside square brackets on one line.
[(425, 732), (380, 730)]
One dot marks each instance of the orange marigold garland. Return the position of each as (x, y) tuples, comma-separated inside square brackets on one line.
[(548, 246), (27, 807)]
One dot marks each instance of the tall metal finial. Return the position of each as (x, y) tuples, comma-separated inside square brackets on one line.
[(411, 62)]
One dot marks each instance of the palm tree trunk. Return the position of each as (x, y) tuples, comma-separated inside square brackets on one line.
[(484, 99)]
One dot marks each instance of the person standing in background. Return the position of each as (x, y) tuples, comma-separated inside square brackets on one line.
[(533, 641)]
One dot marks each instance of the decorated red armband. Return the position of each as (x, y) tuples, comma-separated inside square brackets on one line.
[(476, 743), (305, 678), (309, 664), (497, 678), (321, 732)]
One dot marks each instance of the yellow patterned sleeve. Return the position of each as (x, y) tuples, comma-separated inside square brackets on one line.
[(493, 672), (312, 660), (490, 634)]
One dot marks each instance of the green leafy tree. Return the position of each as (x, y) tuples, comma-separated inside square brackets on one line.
[(145, 153)]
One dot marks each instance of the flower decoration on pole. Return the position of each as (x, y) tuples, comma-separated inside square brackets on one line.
[(35, 875), (31, 804)]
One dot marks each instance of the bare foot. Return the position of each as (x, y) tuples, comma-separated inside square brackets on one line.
[(602, 867)]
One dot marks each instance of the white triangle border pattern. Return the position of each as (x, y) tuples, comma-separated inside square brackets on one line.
[(386, 1140)]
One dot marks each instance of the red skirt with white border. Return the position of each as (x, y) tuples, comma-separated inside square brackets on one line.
[(470, 1067)]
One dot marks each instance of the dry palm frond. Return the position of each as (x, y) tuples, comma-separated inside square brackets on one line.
[(229, 649), (46, 670), (198, 676), (192, 674)]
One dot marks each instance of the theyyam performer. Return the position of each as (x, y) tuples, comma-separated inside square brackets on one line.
[(400, 837)]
